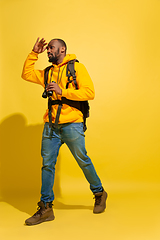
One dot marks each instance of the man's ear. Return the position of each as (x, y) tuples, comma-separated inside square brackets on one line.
[(63, 49)]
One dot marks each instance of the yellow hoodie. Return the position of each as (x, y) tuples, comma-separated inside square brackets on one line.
[(85, 86)]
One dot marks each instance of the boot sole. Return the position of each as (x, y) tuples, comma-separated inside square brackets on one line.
[(51, 218)]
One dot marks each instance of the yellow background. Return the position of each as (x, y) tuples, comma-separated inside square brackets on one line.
[(119, 43)]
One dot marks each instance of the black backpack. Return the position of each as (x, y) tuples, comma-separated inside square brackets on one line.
[(83, 106)]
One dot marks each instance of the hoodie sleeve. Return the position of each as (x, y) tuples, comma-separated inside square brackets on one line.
[(85, 89), (29, 73)]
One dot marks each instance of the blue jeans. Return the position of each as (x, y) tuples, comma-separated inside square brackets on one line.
[(72, 134)]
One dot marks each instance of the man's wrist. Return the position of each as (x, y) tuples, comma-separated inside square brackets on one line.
[(34, 51), (60, 92)]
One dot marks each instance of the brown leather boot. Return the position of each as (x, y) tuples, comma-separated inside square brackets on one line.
[(42, 215), (100, 202)]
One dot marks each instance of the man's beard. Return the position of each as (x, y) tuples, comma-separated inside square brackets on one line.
[(53, 59)]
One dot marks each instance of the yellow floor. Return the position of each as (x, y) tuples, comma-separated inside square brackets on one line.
[(131, 214)]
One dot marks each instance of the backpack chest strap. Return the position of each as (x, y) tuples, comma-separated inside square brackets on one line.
[(71, 103)]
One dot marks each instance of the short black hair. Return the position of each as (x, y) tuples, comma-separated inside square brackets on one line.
[(62, 42)]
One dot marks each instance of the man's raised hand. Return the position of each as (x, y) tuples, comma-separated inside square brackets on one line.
[(39, 46)]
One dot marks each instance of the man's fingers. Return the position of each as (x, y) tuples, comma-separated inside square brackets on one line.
[(39, 46), (51, 86), (44, 48), (44, 44), (54, 87), (37, 40), (42, 41)]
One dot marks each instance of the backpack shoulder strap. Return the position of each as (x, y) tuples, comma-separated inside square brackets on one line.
[(70, 71), (46, 71)]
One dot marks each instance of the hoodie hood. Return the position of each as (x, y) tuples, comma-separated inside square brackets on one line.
[(66, 59)]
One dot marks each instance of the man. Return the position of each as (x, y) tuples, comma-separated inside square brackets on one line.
[(69, 129)]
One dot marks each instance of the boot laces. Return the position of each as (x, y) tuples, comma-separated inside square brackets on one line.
[(97, 200), (39, 212), (40, 209)]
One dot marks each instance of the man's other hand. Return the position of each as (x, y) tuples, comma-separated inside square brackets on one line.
[(54, 87)]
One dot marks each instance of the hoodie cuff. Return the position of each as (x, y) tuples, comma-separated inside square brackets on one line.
[(64, 92), (34, 54)]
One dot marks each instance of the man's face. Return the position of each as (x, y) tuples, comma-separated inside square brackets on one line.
[(53, 51)]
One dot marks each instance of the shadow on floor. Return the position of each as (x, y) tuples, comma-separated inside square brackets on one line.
[(60, 205), (20, 163)]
